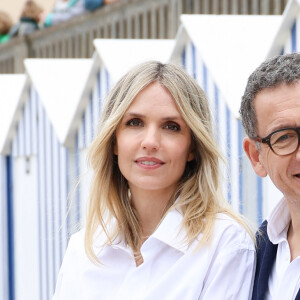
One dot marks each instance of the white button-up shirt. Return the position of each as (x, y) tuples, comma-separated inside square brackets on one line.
[(223, 269), (284, 280)]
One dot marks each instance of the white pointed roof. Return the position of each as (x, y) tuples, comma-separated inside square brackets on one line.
[(120, 55), (60, 84), (231, 46), (291, 12), (12, 87)]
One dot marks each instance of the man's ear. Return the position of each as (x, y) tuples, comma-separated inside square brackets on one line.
[(254, 157)]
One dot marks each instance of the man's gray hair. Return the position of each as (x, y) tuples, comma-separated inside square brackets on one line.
[(271, 73)]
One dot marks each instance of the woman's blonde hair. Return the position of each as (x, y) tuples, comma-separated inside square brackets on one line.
[(199, 189)]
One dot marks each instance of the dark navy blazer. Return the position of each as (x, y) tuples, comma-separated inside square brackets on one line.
[(266, 255)]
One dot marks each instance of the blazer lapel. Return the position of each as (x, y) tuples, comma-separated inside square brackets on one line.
[(268, 260)]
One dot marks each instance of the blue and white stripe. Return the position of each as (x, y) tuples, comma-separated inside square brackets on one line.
[(91, 115), (292, 43), (4, 233), (35, 140), (87, 131), (228, 130)]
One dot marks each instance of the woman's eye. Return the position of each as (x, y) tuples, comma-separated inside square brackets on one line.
[(134, 122), (172, 127)]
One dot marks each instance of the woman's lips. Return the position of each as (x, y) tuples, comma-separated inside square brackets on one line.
[(149, 162)]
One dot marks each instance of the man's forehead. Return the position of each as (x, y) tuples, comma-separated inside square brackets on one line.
[(277, 88), (278, 107)]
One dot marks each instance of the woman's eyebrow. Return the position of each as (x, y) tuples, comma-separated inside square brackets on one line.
[(134, 114), (166, 118)]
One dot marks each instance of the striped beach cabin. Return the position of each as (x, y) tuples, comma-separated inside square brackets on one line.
[(41, 173), (221, 52), (12, 87)]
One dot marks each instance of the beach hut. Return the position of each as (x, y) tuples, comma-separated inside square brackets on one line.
[(42, 172), (221, 52), (12, 87)]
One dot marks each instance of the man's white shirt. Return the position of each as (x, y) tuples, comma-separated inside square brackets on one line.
[(284, 280)]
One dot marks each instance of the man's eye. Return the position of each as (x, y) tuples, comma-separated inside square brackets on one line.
[(172, 127), (285, 138), (134, 122)]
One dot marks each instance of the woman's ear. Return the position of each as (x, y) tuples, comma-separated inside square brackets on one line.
[(254, 156), (191, 156), (115, 146)]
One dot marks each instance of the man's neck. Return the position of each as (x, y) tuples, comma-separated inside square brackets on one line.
[(293, 234)]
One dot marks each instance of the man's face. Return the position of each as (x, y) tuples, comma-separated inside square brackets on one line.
[(277, 108)]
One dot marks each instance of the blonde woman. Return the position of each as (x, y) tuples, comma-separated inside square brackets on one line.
[(157, 225)]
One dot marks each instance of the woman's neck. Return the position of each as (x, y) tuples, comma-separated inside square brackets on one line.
[(150, 207)]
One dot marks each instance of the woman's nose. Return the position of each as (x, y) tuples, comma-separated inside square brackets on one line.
[(151, 139)]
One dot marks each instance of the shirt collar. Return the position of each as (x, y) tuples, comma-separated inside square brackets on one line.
[(170, 231), (101, 239), (279, 222)]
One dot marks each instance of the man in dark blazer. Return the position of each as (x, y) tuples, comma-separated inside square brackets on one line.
[(270, 112)]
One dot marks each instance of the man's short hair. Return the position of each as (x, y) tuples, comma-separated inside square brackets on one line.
[(271, 73)]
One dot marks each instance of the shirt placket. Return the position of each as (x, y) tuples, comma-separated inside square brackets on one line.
[(135, 282), (289, 273)]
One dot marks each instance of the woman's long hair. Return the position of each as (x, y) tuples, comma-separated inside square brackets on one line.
[(199, 190)]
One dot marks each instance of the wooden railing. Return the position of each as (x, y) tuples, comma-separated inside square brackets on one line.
[(151, 19)]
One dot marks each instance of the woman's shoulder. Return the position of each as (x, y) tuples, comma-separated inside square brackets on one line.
[(75, 252), (231, 232), (78, 236), (76, 244)]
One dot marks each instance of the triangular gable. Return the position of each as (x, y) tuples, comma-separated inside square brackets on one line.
[(120, 55), (290, 15), (60, 84), (12, 88), (231, 47)]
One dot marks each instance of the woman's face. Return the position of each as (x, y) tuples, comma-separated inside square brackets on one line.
[(153, 142)]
